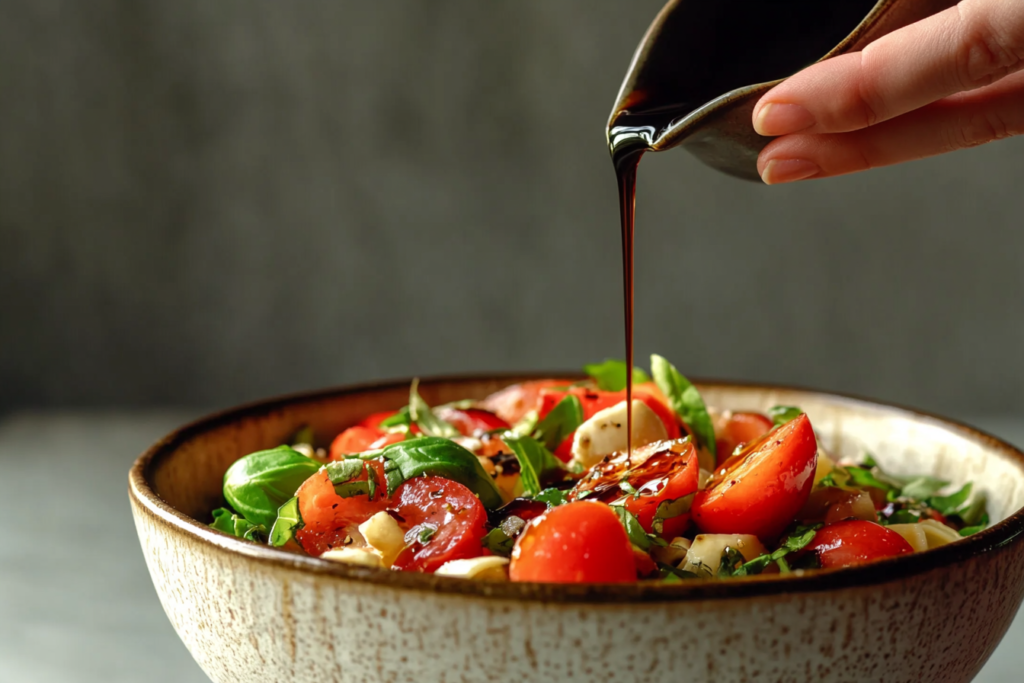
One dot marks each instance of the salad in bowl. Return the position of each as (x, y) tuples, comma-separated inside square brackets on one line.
[(560, 481)]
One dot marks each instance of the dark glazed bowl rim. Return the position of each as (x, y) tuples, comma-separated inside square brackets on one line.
[(148, 502)]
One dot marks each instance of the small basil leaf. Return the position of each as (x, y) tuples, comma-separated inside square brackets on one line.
[(426, 533), (865, 478), (754, 567), (230, 523), (351, 489), (259, 483), (288, 521), (526, 425), (341, 471), (685, 401), (222, 521), (303, 436), (553, 497), (635, 531), (611, 375), (948, 505), (780, 415), (498, 542), (536, 463), (982, 523), (667, 509), (558, 424), (399, 422), (976, 512), (798, 540), (732, 562), (436, 456), (424, 417), (923, 487), (675, 574)]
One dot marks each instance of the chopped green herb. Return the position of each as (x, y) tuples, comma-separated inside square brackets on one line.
[(976, 511), (527, 423), (303, 436), (628, 489), (498, 542), (611, 375), (399, 422), (558, 424), (685, 401), (637, 536), (536, 463), (923, 487), (667, 509), (288, 521), (973, 529), (780, 415), (424, 417), (426, 533), (948, 505), (230, 523), (731, 563), (553, 497), (341, 471), (866, 478), (352, 488)]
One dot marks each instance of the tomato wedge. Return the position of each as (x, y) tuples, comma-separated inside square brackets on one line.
[(659, 473), (853, 542), (472, 421), (739, 429), (760, 489), (581, 542), (327, 517), (443, 521)]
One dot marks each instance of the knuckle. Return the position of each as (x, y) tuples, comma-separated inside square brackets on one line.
[(977, 129), (871, 105), (984, 51)]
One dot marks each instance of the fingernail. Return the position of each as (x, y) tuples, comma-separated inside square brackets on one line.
[(779, 171), (782, 119)]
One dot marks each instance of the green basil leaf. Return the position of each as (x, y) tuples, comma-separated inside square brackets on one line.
[(976, 511), (637, 536), (675, 573), (426, 533), (230, 523), (536, 463), (558, 424), (798, 540), (869, 461), (948, 505), (341, 471), (424, 417), (553, 497), (498, 542), (975, 528), (923, 487), (611, 375), (259, 483), (901, 516), (866, 479), (780, 415), (288, 521), (731, 563), (667, 509), (754, 567), (685, 401), (352, 488), (399, 422), (526, 425), (436, 456)]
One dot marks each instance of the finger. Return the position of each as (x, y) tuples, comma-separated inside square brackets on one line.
[(957, 122), (963, 48)]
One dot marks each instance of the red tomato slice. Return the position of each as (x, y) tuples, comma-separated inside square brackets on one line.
[(659, 473), (456, 516), (472, 421), (853, 542), (581, 542), (374, 420), (327, 517), (741, 428), (760, 489), (358, 439), (513, 402), (564, 450)]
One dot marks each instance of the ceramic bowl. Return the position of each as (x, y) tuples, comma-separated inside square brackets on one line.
[(247, 612)]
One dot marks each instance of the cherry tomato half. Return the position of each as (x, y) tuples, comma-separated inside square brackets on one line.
[(760, 489), (513, 402), (327, 517), (657, 473), (581, 542), (853, 542), (443, 521), (739, 429)]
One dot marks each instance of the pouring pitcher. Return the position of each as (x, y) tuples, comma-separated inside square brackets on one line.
[(703, 65)]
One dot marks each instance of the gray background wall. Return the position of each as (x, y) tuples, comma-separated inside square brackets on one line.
[(207, 202)]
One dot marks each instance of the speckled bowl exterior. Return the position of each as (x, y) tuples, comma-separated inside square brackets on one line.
[(249, 613)]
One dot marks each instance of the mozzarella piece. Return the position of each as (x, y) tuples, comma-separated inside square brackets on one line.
[(490, 568), (383, 534), (673, 553), (605, 433), (705, 553), (357, 556)]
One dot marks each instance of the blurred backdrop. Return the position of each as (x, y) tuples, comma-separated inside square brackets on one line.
[(208, 202)]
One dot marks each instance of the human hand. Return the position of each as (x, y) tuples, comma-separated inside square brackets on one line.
[(951, 81)]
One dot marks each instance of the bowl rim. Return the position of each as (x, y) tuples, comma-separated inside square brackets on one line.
[(146, 501)]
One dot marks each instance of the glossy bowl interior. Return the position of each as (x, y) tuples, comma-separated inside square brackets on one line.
[(250, 613)]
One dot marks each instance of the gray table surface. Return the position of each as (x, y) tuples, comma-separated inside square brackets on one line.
[(76, 602)]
